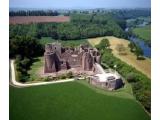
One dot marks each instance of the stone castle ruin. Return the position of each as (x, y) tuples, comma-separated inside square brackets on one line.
[(59, 58)]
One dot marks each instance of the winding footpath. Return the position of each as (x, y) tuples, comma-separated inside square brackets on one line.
[(14, 82)]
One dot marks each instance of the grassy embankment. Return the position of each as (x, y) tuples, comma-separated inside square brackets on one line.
[(72, 101), (142, 65)]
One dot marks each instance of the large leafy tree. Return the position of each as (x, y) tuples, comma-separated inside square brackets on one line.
[(25, 47)]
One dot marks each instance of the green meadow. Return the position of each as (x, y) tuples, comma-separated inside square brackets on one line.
[(66, 43), (72, 101), (143, 32)]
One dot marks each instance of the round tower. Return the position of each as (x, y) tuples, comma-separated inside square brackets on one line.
[(48, 48), (87, 61), (49, 66)]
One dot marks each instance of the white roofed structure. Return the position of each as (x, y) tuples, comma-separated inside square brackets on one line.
[(105, 77)]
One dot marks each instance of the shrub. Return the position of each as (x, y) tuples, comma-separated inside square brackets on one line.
[(131, 77), (26, 63), (69, 75), (48, 78), (63, 76)]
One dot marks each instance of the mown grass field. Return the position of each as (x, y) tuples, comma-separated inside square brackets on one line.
[(71, 101), (143, 32), (67, 43), (35, 69), (142, 65)]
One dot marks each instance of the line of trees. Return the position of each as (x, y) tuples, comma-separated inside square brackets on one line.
[(34, 13)]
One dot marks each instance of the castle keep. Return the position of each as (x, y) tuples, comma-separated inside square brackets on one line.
[(59, 58)]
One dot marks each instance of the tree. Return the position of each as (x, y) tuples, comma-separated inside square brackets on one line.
[(138, 52), (69, 75), (132, 46), (25, 47), (131, 77), (103, 44)]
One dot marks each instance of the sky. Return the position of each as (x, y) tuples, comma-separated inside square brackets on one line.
[(73, 4)]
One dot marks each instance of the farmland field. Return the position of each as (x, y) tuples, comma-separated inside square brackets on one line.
[(143, 32), (37, 19), (142, 65), (71, 101)]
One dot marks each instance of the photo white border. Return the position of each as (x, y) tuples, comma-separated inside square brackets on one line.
[(4, 60), (155, 59)]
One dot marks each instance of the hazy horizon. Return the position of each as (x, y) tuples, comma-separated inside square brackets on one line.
[(79, 4)]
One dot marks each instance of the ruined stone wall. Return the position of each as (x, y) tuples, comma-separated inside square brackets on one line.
[(49, 64), (48, 48), (87, 61), (57, 48), (58, 58)]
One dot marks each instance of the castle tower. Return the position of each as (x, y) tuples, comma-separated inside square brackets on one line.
[(87, 61), (98, 59), (57, 47), (49, 65), (48, 48)]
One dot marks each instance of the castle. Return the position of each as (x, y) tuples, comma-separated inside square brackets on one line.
[(59, 58)]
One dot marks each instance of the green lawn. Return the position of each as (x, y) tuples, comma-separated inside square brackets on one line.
[(71, 101), (35, 68), (67, 43), (143, 32), (45, 40)]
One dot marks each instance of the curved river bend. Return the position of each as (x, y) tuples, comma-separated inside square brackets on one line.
[(144, 46)]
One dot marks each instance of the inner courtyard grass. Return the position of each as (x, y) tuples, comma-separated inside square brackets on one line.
[(71, 101)]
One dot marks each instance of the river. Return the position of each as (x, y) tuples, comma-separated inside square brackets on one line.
[(144, 46)]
